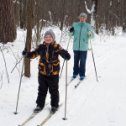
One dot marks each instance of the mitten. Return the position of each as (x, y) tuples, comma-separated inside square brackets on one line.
[(66, 56), (71, 29), (90, 35), (24, 52)]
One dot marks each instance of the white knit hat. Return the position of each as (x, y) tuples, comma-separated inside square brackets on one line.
[(51, 33), (83, 15)]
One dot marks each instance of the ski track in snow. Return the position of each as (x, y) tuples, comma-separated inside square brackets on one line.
[(91, 104)]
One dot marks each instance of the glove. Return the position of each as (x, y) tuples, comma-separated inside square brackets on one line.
[(24, 52), (66, 56), (71, 29), (89, 34)]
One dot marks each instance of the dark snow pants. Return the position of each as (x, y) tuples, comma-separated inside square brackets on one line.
[(80, 63), (48, 83)]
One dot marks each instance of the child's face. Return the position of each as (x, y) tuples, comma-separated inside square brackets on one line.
[(48, 39)]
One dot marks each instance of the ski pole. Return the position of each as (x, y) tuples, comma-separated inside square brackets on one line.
[(94, 61), (5, 64), (17, 64), (14, 57), (65, 109), (1, 80), (64, 60), (18, 95)]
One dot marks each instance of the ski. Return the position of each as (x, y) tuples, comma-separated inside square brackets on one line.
[(29, 118), (78, 83), (48, 117), (70, 81)]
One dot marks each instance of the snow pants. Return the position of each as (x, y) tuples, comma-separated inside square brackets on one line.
[(80, 63), (46, 83)]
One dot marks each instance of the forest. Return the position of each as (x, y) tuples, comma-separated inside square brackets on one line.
[(108, 13), (37, 14)]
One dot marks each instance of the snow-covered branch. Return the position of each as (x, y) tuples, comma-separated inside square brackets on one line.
[(92, 10)]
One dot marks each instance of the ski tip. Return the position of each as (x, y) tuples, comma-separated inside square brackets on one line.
[(76, 85)]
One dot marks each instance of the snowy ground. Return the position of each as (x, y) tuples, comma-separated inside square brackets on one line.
[(93, 103)]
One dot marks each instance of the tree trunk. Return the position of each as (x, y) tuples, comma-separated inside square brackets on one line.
[(7, 22), (22, 14), (29, 36)]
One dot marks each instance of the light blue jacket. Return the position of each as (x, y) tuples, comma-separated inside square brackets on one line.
[(81, 33)]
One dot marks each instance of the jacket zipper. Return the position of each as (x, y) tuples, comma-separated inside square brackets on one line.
[(80, 36), (47, 53)]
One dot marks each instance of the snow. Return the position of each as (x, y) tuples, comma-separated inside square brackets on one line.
[(91, 104)]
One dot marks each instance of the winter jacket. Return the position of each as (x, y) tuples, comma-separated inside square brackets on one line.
[(81, 32), (49, 63)]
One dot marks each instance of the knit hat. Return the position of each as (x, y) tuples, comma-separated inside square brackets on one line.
[(51, 33), (83, 15)]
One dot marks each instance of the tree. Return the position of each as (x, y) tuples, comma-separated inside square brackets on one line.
[(29, 26), (7, 22), (22, 13)]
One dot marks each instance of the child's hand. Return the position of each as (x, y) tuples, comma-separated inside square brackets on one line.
[(24, 52)]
